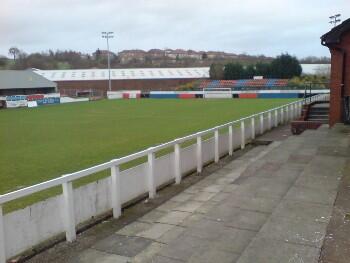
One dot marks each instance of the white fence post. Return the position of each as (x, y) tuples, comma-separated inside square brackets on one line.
[(116, 191), (270, 120), (261, 123), (282, 116), (242, 135), (291, 112), (276, 118), (253, 127), (199, 154), (2, 238), (230, 140), (69, 218), (287, 114), (216, 142), (151, 180), (177, 163)]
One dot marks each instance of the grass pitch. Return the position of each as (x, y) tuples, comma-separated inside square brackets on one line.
[(46, 142)]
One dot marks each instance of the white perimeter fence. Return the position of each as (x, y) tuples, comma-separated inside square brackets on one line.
[(22, 229)]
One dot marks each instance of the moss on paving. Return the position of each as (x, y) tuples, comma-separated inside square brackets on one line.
[(46, 142)]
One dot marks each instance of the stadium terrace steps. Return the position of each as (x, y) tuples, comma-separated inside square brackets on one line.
[(319, 112)]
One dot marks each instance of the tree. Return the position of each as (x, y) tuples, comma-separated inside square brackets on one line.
[(285, 66), (234, 71), (3, 61), (250, 71), (263, 69), (13, 51), (216, 71)]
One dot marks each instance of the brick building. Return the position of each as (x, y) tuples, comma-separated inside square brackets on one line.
[(338, 42)]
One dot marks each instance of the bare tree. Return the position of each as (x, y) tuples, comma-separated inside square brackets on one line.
[(14, 52)]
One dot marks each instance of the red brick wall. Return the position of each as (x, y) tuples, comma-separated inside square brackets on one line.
[(101, 86), (337, 61)]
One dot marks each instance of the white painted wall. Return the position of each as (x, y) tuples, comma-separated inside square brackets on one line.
[(36, 223)]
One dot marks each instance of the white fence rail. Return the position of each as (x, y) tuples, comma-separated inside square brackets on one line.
[(22, 229)]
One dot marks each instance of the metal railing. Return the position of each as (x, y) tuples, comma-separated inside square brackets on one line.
[(286, 112)]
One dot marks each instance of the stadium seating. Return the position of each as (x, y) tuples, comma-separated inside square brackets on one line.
[(244, 84)]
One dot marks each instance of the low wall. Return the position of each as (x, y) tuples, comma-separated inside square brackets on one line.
[(34, 224)]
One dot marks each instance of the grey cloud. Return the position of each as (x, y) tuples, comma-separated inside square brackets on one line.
[(258, 27)]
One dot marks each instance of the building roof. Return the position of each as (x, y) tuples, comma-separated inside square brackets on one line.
[(124, 74), (23, 79), (334, 36)]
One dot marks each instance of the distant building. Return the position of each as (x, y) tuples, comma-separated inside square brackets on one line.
[(100, 53), (136, 55), (24, 82), (156, 53)]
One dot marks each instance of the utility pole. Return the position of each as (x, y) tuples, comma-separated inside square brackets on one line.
[(335, 19), (107, 36)]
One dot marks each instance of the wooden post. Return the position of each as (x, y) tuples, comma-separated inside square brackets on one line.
[(177, 163), (199, 154), (253, 127), (2, 238), (242, 135), (116, 191), (216, 145), (69, 218), (261, 123), (282, 115), (276, 118), (151, 180), (230, 140)]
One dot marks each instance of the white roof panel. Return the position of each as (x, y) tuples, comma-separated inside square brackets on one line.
[(123, 74)]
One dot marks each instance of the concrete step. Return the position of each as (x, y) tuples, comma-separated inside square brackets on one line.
[(324, 121), (319, 110), (318, 116)]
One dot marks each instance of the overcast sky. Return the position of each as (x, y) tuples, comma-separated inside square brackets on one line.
[(253, 26)]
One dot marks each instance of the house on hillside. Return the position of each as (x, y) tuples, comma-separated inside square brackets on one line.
[(136, 55)]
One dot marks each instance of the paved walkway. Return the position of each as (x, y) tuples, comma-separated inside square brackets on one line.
[(272, 204)]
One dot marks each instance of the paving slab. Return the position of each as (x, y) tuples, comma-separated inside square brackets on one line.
[(266, 250), (92, 255), (295, 231), (312, 195), (237, 217), (234, 240), (174, 217), (190, 206), (134, 228), (155, 231), (213, 255), (184, 247), (258, 204), (122, 245), (301, 210)]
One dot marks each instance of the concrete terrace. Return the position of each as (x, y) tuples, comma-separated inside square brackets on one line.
[(271, 204)]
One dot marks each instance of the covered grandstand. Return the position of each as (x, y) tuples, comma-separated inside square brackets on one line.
[(93, 82)]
